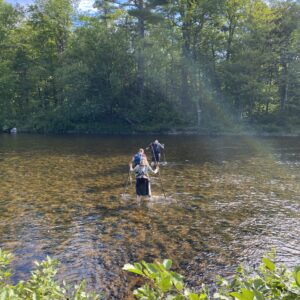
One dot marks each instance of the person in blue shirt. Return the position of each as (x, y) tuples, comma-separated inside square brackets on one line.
[(136, 159)]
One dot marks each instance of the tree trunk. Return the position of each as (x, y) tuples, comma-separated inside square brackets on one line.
[(141, 60), (185, 67), (230, 39), (284, 88), (199, 114)]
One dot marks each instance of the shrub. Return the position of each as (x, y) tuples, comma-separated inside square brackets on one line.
[(41, 284), (268, 281)]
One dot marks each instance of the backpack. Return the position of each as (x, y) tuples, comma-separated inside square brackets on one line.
[(137, 159)]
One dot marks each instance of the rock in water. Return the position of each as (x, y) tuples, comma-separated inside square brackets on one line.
[(13, 130)]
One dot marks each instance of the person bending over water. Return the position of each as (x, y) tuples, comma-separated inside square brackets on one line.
[(143, 187), (155, 148)]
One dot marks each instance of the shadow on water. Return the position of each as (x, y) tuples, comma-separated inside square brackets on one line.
[(228, 200)]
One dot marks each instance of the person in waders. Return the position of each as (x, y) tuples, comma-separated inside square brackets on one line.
[(142, 186)]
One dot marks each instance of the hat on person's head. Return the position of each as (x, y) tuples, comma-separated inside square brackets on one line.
[(156, 141)]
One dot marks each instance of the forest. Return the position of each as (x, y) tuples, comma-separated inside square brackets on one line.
[(143, 66)]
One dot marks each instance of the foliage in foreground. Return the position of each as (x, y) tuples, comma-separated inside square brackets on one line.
[(41, 284), (268, 281)]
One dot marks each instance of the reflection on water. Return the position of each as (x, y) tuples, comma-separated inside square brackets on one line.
[(227, 200)]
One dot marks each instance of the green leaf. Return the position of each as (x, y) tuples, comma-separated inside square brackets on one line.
[(258, 295), (177, 276), (248, 295), (178, 284), (193, 296), (7, 274), (3, 295), (167, 263), (222, 297), (151, 268), (269, 264), (258, 283), (245, 295), (165, 284), (133, 269), (237, 295), (298, 278)]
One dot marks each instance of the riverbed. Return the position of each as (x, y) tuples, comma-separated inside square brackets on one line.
[(217, 202)]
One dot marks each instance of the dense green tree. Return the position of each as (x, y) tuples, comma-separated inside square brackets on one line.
[(50, 22), (147, 65), (8, 84), (192, 19), (287, 21), (143, 13), (96, 73)]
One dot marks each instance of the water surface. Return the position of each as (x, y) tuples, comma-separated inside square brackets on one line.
[(228, 200)]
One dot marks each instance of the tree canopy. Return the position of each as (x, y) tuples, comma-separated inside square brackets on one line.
[(149, 65)]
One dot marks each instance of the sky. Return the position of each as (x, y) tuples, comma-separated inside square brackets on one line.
[(84, 5)]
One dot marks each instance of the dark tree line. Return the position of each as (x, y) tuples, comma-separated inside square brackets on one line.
[(150, 65)]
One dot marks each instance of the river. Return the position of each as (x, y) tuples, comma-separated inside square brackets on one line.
[(228, 200)]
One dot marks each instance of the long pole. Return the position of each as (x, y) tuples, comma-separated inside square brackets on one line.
[(126, 184), (158, 172)]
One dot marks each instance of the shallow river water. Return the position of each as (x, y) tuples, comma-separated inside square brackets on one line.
[(228, 200)]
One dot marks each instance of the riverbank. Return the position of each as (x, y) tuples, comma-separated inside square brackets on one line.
[(173, 131), (256, 127)]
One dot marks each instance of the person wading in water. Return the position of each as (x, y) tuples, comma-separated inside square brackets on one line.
[(155, 148), (142, 186), (136, 159)]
